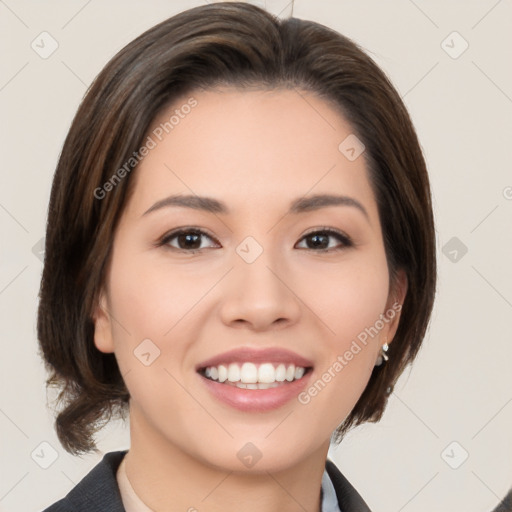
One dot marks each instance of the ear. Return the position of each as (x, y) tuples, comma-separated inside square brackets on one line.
[(103, 339), (396, 299)]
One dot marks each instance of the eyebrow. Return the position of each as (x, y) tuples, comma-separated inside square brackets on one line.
[(301, 205)]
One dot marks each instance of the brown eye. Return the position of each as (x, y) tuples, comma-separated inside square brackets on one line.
[(189, 240), (320, 240)]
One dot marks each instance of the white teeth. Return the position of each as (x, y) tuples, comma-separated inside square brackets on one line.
[(266, 373), (233, 373), (252, 376), (223, 373), (281, 373), (260, 385), (290, 372), (249, 373), (299, 372)]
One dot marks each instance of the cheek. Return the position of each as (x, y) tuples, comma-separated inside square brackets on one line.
[(350, 298), (149, 311), (153, 310), (150, 299)]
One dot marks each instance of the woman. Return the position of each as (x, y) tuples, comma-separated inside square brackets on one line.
[(240, 254)]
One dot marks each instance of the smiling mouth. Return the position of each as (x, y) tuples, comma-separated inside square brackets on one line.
[(249, 375)]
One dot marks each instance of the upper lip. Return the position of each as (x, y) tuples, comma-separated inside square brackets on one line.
[(246, 354)]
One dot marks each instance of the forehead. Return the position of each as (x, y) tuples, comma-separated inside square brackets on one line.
[(271, 144)]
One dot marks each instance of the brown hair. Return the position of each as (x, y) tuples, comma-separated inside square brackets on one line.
[(235, 44)]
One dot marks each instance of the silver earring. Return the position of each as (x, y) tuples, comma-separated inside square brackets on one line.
[(383, 355)]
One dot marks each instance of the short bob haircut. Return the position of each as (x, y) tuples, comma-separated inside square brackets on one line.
[(222, 44)]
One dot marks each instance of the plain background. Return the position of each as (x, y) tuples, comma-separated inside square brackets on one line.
[(456, 401)]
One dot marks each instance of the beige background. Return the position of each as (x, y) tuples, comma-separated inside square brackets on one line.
[(461, 386)]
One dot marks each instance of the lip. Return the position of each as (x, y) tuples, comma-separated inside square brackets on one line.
[(257, 356), (256, 400)]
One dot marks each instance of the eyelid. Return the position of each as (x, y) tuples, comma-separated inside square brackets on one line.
[(326, 229), (163, 240)]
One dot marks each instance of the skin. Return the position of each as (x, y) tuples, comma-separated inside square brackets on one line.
[(256, 151)]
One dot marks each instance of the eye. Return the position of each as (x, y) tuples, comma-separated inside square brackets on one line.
[(190, 240), (187, 240), (320, 240)]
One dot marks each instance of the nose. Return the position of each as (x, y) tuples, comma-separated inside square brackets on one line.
[(259, 295)]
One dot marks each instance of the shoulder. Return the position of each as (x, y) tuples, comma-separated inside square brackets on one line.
[(349, 499), (97, 491), (506, 503)]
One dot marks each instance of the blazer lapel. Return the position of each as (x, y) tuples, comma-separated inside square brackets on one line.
[(349, 499)]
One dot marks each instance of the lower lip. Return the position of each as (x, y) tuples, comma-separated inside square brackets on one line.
[(256, 400)]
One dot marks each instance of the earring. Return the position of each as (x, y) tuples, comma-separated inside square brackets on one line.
[(383, 354)]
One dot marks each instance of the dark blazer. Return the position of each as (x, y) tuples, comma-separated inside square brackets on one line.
[(506, 503), (98, 490)]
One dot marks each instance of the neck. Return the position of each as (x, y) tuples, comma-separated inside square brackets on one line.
[(168, 479)]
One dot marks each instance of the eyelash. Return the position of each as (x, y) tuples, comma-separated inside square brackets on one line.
[(164, 241)]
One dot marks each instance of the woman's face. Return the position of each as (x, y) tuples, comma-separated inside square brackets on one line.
[(260, 266)]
